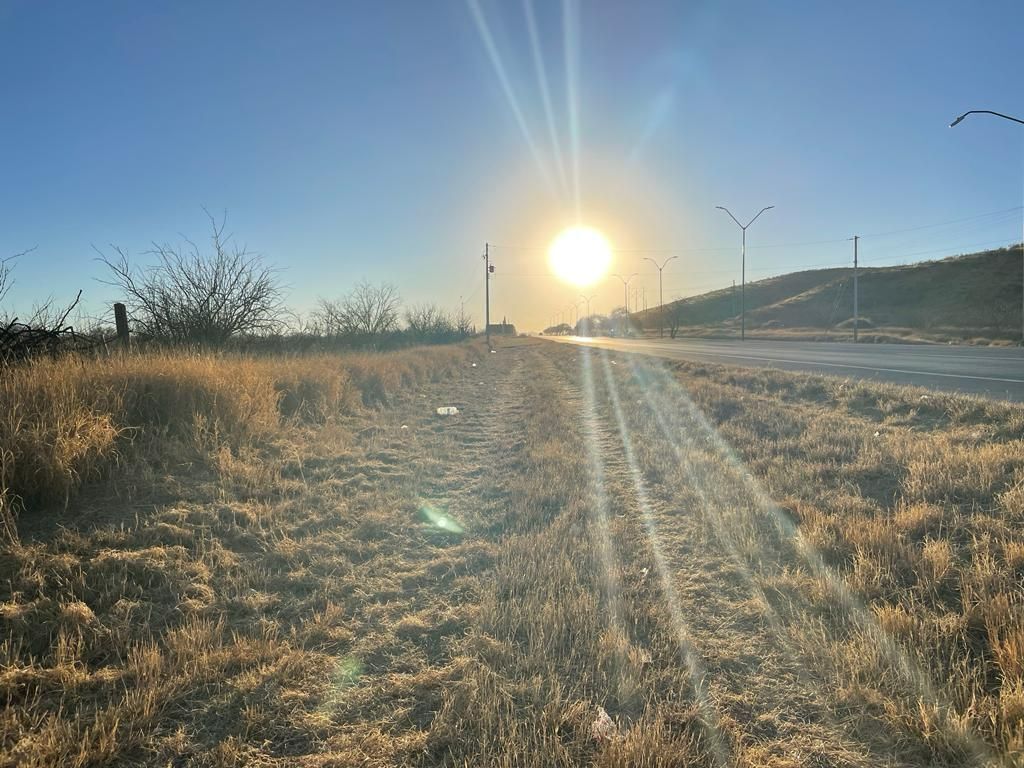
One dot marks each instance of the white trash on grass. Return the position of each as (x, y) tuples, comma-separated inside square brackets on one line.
[(603, 728), (447, 410)]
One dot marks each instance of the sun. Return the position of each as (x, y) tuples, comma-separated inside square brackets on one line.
[(580, 255)]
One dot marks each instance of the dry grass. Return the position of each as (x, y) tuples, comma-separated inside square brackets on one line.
[(65, 422), (295, 562)]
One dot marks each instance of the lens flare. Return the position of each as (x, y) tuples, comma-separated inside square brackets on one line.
[(580, 256), (441, 520)]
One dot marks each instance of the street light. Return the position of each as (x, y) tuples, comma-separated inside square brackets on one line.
[(625, 291), (661, 294), (985, 112), (576, 306), (1014, 120), (625, 288), (587, 299), (743, 276)]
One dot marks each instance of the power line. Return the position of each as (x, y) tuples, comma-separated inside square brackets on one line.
[(1005, 241), (534, 250), (945, 223)]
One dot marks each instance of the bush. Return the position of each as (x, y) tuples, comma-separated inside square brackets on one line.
[(188, 297)]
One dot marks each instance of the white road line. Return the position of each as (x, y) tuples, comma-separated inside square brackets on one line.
[(910, 351), (840, 365), (931, 356)]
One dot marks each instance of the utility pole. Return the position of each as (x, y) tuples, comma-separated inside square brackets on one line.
[(1014, 120), (855, 308), (743, 275), (661, 293), (487, 292)]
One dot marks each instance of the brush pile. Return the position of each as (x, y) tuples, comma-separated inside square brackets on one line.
[(41, 337)]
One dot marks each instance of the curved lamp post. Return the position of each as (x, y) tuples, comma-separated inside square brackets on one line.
[(1013, 120), (985, 112)]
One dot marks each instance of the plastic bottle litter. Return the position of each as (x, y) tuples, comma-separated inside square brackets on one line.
[(473, 365), (447, 410)]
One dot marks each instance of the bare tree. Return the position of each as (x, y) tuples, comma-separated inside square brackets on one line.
[(428, 322), (192, 297), (463, 323), (368, 313), (675, 318)]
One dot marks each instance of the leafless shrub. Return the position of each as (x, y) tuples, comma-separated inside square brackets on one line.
[(675, 318), (45, 333), (463, 323), (428, 323), (367, 315), (189, 297)]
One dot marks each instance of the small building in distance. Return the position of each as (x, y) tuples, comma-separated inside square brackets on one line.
[(504, 328)]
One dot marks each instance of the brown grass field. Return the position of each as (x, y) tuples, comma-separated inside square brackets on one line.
[(219, 561)]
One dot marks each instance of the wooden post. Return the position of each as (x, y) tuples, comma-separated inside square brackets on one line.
[(121, 321)]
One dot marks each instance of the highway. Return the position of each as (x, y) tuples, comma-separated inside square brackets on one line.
[(995, 372)]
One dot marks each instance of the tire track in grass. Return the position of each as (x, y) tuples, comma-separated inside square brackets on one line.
[(551, 647), (767, 707), (806, 599), (388, 686), (614, 588)]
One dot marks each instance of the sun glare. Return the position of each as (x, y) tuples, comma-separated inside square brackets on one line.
[(580, 255)]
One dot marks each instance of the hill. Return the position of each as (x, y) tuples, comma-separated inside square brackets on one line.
[(975, 297)]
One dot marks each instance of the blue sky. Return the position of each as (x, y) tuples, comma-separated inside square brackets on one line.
[(376, 140)]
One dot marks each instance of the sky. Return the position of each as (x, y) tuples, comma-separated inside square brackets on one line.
[(389, 141)]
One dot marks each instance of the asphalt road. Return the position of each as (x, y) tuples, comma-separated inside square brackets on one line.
[(996, 372)]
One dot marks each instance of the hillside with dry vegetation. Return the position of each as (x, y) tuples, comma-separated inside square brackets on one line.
[(971, 298), (599, 560)]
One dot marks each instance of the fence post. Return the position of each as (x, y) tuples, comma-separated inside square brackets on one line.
[(121, 321)]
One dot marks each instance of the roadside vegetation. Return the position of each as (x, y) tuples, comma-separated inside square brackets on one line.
[(218, 297), (222, 560), (974, 298)]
